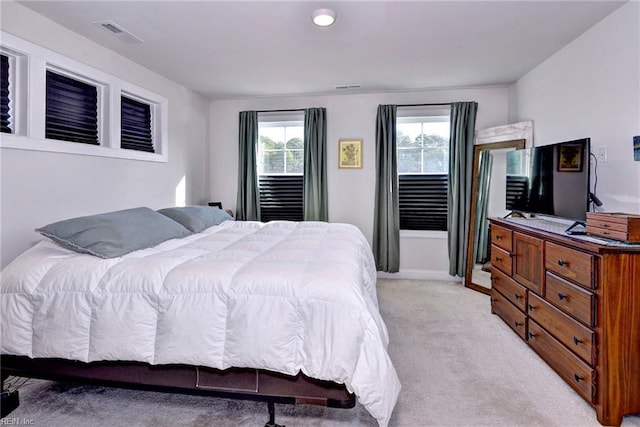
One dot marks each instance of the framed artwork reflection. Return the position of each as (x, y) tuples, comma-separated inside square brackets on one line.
[(570, 158), (350, 154)]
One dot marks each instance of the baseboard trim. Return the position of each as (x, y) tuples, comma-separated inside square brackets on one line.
[(442, 276)]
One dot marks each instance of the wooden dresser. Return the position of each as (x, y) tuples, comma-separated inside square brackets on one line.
[(577, 304)]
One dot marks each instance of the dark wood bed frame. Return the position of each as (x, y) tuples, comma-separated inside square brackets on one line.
[(235, 383)]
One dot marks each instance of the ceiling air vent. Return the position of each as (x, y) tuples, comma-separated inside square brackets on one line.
[(118, 31), (350, 86)]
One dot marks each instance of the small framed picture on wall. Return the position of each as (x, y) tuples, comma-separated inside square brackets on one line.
[(350, 154)]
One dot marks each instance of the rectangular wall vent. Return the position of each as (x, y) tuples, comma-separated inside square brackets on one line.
[(118, 31), (349, 86)]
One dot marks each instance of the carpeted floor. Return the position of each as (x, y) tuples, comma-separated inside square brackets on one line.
[(458, 365)]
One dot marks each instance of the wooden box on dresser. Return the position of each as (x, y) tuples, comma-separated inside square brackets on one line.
[(577, 304)]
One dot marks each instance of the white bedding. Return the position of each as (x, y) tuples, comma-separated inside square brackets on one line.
[(281, 296)]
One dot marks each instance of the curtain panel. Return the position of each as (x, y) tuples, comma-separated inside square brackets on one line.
[(463, 121), (248, 198), (386, 221), (315, 198), (481, 232)]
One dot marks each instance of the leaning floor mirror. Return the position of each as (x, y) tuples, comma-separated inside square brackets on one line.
[(489, 194)]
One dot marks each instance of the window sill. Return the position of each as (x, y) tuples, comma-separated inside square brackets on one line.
[(423, 234), (24, 143)]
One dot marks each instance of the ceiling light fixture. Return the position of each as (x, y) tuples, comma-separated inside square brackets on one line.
[(323, 17)]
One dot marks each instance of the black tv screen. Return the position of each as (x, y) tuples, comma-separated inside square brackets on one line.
[(550, 180)]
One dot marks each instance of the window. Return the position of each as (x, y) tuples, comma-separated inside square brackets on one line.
[(423, 166), (71, 110), (280, 169), (135, 125), (5, 95), (50, 102)]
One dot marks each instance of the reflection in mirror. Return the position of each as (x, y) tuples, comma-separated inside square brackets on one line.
[(489, 188)]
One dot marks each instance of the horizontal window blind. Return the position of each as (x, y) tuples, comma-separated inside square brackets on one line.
[(72, 110), (423, 201), (5, 112), (135, 118), (281, 197)]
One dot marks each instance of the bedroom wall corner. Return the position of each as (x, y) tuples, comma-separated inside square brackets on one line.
[(590, 88), (39, 187)]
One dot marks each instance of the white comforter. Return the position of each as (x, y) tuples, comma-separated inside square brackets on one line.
[(282, 296)]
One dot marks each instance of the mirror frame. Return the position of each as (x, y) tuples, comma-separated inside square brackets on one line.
[(477, 149)]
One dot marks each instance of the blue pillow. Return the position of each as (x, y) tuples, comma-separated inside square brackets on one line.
[(197, 218), (114, 234)]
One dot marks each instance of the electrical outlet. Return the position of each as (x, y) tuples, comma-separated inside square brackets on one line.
[(602, 155)]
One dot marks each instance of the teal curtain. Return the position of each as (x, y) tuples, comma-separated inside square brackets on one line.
[(463, 121), (481, 232), (315, 165), (386, 216), (248, 199)]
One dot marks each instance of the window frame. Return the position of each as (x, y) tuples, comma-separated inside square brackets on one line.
[(280, 123), (287, 180), (33, 62), (422, 114)]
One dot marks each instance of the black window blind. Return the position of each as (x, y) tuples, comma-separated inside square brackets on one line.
[(281, 197), (423, 201), (135, 122), (5, 112), (517, 192), (72, 110)]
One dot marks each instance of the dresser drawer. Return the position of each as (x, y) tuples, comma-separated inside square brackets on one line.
[(509, 313), (501, 259), (501, 237), (608, 233), (575, 336), (510, 289), (574, 371), (570, 264), (571, 299)]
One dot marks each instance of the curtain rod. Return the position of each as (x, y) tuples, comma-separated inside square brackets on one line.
[(423, 105), (280, 111)]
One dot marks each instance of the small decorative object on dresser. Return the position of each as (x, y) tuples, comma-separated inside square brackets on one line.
[(614, 225), (577, 304)]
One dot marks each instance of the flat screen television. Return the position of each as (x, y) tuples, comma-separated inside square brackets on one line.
[(550, 180)]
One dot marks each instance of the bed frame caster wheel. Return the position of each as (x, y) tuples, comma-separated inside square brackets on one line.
[(272, 416)]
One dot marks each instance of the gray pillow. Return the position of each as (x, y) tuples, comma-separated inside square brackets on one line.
[(114, 234), (197, 218)]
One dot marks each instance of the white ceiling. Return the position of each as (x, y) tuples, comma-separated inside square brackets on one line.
[(226, 49)]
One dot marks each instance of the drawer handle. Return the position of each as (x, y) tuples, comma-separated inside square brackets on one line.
[(605, 225), (561, 296), (578, 378), (498, 259), (517, 296), (531, 307), (518, 324), (531, 335), (577, 341), (562, 262), (498, 236)]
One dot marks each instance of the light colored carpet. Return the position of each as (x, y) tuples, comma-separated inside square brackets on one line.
[(459, 365)]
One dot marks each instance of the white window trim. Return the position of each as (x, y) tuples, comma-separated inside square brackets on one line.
[(29, 133)]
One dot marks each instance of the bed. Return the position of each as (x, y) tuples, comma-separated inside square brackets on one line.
[(281, 312)]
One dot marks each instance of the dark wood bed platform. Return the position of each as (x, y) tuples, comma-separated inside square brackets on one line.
[(234, 383)]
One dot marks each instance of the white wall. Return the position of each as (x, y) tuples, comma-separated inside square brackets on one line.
[(351, 192), (40, 187), (591, 88)]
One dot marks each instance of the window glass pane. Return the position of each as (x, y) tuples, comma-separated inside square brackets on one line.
[(280, 148), (423, 145)]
